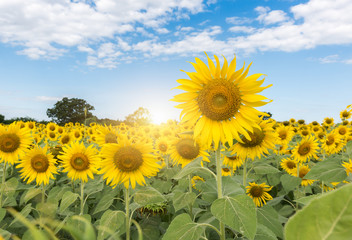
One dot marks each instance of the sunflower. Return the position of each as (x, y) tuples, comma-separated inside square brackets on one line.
[(258, 192), (328, 122), (306, 149), (233, 161), (285, 135), (301, 121), (185, 149), (348, 166), (226, 172), (77, 134), (220, 101), (66, 138), (333, 143), (38, 164), (292, 121), (106, 135), (126, 162), (345, 114), (262, 139), (31, 126), (162, 145), (14, 142), (79, 162), (51, 127), (303, 170), (195, 179), (52, 136), (289, 165), (342, 130)]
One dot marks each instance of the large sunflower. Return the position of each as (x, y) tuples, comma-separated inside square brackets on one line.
[(220, 101), (258, 192), (333, 143), (105, 135), (14, 141), (306, 149), (79, 162), (126, 162), (262, 139), (38, 164), (185, 149)]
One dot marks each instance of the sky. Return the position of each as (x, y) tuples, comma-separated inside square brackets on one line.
[(122, 55)]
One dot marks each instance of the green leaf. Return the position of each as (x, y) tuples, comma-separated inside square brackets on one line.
[(24, 213), (230, 188), (56, 193), (237, 212), (2, 213), (88, 232), (110, 222), (289, 182), (264, 168), (182, 200), (326, 217), (329, 171), (192, 167), (264, 233), (31, 193), (182, 227), (147, 196), (47, 209), (104, 203), (349, 148), (268, 217), (10, 187), (307, 200), (67, 199)]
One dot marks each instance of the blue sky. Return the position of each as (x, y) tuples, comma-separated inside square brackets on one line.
[(121, 55)]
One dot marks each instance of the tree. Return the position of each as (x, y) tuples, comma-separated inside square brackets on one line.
[(141, 116), (2, 118), (70, 110)]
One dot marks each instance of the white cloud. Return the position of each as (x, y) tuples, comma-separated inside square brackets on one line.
[(244, 29), (329, 59), (238, 20), (270, 17), (48, 98)]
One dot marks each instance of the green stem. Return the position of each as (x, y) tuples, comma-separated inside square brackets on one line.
[(127, 207), (43, 193), (3, 183), (82, 198), (139, 229), (245, 172), (219, 186), (190, 190)]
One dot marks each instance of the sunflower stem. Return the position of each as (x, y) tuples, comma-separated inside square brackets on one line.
[(219, 186), (3, 183), (43, 193), (245, 172), (82, 198), (190, 190), (127, 207), (139, 229)]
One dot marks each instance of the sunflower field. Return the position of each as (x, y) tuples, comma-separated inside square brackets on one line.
[(224, 171)]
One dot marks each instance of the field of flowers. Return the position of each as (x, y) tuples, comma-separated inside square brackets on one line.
[(225, 171)]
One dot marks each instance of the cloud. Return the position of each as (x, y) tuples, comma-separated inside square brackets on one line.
[(48, 99), (329, 59), (244, 29), (270, 17), (238, 20)]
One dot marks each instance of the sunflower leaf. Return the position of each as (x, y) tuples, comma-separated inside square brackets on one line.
[(264, 233), (67, 199), (330, 170), (31, 193), (326, 217), (349, 148), (237, 212), (110, 222), (193, 166), (147, 196), (269, 217), (264, 168), (289, 182), (181, 200), (182, 227)]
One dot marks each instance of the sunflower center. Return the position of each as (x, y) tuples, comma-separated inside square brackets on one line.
[(257, 138), (345, 114), (79, 162), (128, 159), (342, 131), (303, 172), (256, 191), (305, 132), (40, 163), (328, 121), (219, 99), (52, 128), (226, 169), (9, 142), (291, 164), (304, 149), (330, 140), (77, 134), (110, 138), (65, 139), (52, 135), (163, 147), (283, 134), (187, 148), (233, 158)]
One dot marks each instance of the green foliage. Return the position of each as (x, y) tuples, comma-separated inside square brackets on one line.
[(330, 170), (140, 117), (70, 110), (328, 216)]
